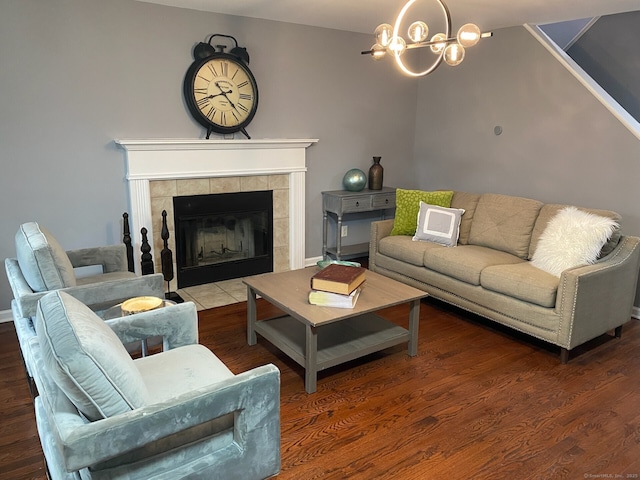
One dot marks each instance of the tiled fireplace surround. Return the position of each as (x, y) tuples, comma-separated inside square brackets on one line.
[(158, 170)]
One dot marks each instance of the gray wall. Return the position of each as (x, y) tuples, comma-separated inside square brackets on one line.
[(559, 144), (77, 74)]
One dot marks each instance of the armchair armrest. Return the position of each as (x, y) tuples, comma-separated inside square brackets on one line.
[(113, 258), (95, 295), (17, 282), (253, 396), (596, 298), (177, 324)]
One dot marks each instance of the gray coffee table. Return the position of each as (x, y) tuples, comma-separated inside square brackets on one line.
[(321, 337)]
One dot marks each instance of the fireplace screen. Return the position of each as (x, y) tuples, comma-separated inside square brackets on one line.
[(223, 236)]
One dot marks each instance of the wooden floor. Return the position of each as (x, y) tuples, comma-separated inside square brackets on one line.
[(478, 402)]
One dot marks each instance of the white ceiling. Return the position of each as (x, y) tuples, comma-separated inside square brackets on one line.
[(364, 15)]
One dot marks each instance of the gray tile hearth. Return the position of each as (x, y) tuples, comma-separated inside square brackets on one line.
[(216, 294)]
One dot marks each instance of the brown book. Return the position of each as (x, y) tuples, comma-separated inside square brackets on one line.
[(338, 278)]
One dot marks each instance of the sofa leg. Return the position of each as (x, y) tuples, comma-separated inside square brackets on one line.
[(618, 332), (564, 356)]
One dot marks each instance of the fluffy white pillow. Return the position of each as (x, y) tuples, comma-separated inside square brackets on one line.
[(572, 238), (438, 224)]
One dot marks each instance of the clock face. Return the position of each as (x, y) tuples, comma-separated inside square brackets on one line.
[(221, 93)]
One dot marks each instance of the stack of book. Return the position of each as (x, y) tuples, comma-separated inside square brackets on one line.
[(337, 286)]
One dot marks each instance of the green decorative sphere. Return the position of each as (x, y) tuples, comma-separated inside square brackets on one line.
[(354, 180)]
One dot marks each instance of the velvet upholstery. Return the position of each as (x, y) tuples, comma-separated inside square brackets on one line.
[(43, 261), (41, 255), (199, 420), (86, 358)]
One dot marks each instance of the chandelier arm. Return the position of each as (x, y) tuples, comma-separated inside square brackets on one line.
[(447, 33), (418, 45)]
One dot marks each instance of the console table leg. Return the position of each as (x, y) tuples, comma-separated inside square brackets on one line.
[(414, 320), (251, 317), (325, 229), (311, 359), (339, 238)]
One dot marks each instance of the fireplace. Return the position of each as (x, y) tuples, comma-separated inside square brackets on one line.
[(157, 170), (223, 236)]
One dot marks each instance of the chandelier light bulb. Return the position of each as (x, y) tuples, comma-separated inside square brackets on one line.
[(468, 35), (397, 46), (418, 31), (384, 33), (440, 38), (446, 45), (454, 54), (378, 52)]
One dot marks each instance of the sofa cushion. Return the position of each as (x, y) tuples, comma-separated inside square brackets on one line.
[(467, 202), (572, 238), (402, 247), (438, 224), (505, 223), (43, 262), (86, 359), (408, 205), (466, 262), (548, 211), (522, 281)]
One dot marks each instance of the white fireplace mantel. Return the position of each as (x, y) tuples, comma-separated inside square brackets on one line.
[(164, 159)]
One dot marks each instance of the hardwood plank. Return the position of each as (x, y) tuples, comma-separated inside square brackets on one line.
[(478, 401)]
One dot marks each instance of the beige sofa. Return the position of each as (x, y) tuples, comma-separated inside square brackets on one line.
[(490, 273)]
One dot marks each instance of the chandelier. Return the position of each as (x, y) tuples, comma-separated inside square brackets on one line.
[(442, 45)]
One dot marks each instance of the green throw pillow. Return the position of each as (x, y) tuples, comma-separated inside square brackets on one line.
[(408, 206)]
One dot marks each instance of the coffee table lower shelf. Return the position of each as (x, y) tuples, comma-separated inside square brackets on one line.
[(318, 348)]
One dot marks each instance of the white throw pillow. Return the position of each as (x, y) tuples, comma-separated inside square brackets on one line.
[(572, 238), (438, 224)]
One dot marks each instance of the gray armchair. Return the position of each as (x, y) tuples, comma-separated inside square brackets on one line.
[(177, 414), (42, 265)]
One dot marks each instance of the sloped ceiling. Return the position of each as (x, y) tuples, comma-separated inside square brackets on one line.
[(364, 15)]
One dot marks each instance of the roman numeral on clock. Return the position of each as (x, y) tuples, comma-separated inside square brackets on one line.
[(213, 69), (203, 102)]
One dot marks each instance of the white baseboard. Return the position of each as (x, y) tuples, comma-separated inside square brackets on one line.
[(6, 316), (309, 262), (635, 313)]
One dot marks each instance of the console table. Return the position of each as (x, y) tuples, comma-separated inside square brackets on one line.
[(337, 204)]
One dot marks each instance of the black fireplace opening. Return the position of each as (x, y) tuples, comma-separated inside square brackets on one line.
[(223, 236)]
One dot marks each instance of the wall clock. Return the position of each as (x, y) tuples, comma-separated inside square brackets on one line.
[(220, 91)]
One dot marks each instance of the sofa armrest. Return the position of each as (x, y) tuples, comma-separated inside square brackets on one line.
[(596, 298), (379, 230), (98, 295), (253, 396), (113, 258), (177, 324)]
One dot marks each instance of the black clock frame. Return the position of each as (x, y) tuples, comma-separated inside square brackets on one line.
[(203, 55)]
